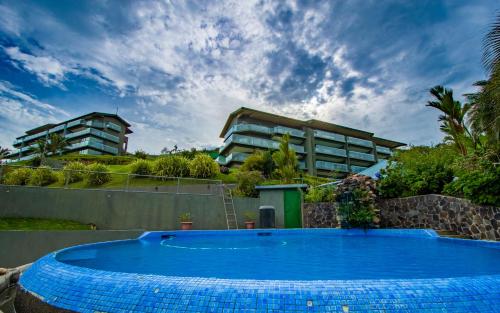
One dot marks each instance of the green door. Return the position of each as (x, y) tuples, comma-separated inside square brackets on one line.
[(293, 214)]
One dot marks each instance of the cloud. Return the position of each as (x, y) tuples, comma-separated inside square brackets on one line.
[(177, 70)]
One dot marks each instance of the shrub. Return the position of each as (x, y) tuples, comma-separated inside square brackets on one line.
[(259, 161), (141, 167), (249, 216), (98, 174), (140, 154), (19, 176), (103, 159), (185, 217), (224, 169), (246, 182), (319, 194), (42, 176), (203, 166), (74, 172), (418, 171), (171, 166)]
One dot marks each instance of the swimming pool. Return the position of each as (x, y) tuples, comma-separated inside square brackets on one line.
[(273, 271)]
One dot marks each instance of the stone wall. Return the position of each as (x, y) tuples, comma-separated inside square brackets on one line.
[(441, 213), (428, 211)]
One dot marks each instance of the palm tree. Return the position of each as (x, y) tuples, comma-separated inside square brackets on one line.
[(453, 117), (285, 160), (56, 144)]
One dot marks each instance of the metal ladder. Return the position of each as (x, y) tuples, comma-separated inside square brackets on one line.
[(227, 198)]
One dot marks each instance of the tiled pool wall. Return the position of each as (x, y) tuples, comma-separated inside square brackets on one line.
[(88, 290)]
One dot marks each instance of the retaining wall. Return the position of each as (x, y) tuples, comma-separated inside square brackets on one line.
[(21, 247), (427, 211)]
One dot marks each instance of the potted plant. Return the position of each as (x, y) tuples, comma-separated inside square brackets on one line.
[(249, 219), (186, 222)]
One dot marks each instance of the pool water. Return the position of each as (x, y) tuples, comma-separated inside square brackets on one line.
[(275, 256)]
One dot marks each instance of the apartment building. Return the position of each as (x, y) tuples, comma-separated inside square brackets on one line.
[(323, 149), (95, 133)]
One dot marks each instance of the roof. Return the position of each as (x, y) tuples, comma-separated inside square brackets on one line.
[(97, 114), (289, 186), (313, 123)]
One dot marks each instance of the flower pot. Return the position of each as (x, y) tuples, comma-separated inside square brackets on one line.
[(186, 225), (250, 225)]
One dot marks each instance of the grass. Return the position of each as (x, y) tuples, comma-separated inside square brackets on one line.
[(15, 223)]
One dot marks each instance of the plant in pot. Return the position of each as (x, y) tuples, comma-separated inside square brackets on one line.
[(186, 222), (249, 219)]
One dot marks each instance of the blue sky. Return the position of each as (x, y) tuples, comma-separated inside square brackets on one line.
[(175, 71)]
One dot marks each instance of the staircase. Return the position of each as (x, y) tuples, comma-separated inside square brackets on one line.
[(227, 198)]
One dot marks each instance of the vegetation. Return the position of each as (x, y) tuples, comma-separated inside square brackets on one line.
[(141, 167), (103, 159), (356, 196), (19, 176), (4, 152), (320, 194), (249, 216), (185, 217), (247, 182), (74, 172), (285, 160), (140, 154), (203, 166), (14, 223), (171, 166), (259, 161), (98, 174), (42, 176)]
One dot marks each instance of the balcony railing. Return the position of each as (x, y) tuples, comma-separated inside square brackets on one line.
[(330, 150), (331, 166), (357, 169), (384, 150), (361, 156), (257, 142), (360, 142), (329, 135), (287, 130), (95, 132), (93, 143), (233, 157), (302, 165)]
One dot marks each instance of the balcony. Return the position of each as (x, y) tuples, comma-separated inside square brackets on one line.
[(329, 136), (75, 123), (361, 156), (357, 169), (114, 126), (302, 165), (93, 143), (330, 151), (360, 142), (241, 128), (331, 166), (233, 157), (287, 130), (384, 150), (94, 132), (257, 142)]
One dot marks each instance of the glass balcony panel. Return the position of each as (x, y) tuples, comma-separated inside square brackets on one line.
[(361, 156), (287, 130), (357, 169), (240, 128), (331, 166), (114, 126), (302, 165), (257, 142), (329, 135), (385, 150), (330, 150), (359, 142), (91, 142), (75, 123)]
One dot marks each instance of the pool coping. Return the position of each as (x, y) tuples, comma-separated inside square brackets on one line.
[(88, 290)]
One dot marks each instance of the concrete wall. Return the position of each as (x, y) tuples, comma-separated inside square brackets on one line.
[(276, 199), (118, 209), (21, 247), (242, 205)]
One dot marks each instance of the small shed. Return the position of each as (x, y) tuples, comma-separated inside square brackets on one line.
[(287, 201)]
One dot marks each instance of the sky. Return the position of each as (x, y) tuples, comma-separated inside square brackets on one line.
[(176, 69)]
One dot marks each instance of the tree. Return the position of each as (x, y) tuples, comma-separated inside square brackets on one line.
[(285, 160), (4, 152), (56, 144), (259, 161), (453, 117)]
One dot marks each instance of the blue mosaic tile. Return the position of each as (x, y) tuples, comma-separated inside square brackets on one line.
[(88, 290)]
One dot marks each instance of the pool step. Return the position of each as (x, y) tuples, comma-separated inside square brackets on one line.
[(451, 234)]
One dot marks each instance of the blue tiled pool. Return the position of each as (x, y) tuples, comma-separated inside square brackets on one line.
[(317, 270)]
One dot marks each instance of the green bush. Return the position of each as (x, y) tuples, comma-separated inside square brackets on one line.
[(103, 159), (203, 166), (246, 182), (141, 167), (98, 174), (74, 172), (418, 171), (19, 176), (358, 210), (171, 166), (319, 194), (42, 176), (140, 154), (259, 161)]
